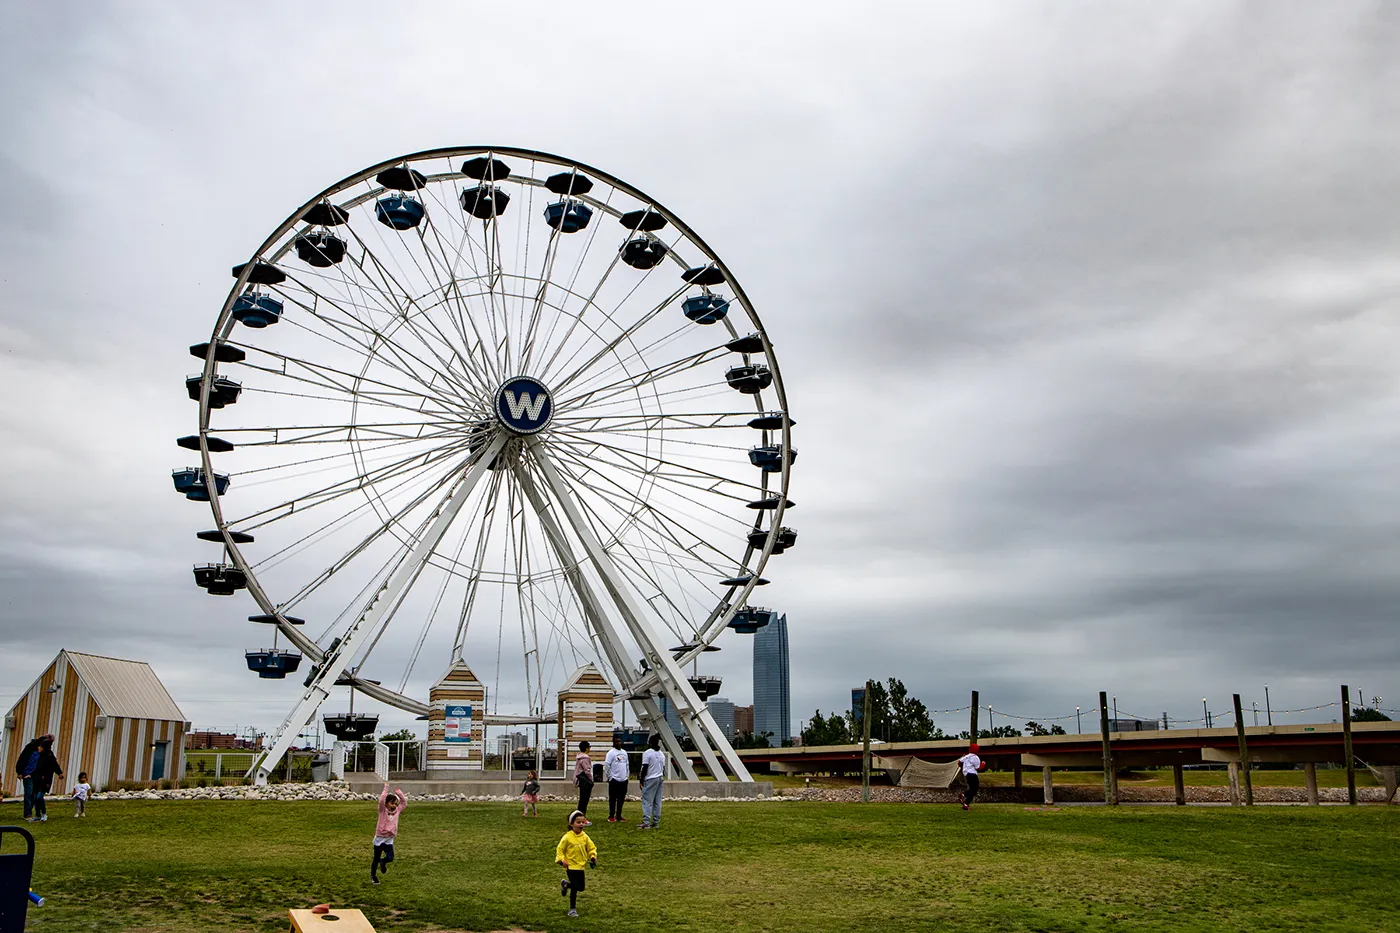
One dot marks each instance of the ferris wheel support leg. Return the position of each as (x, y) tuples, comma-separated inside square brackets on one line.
[(601, 626), (704, 731), (385, 599)]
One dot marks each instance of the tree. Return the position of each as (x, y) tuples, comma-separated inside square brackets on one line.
[(826, 730), (1000, 732), (750, 740), (1363, 714), (403, 735), (909, 720), (1035, 728)]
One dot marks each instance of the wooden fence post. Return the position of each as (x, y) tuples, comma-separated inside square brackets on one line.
[(1109, 784), (972, 731), (1179, 782), (865, 755), (1244, 753), (1346, 745), (1049, 785), (1310, 775)]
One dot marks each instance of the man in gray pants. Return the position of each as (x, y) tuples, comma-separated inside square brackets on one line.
[(650, 777)]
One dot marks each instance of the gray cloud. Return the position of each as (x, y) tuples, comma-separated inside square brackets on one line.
[(1084, 312)]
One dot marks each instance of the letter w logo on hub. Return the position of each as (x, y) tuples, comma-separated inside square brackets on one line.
[(525, 405)]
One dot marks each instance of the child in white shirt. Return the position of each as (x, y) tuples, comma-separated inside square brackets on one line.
[(81, 791)]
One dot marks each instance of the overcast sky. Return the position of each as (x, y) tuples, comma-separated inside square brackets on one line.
[(1087, 314)]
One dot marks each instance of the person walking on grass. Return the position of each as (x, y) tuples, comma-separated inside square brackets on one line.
[(391, 807), (39, 780), (530, 795), (971, 764), (617, 770), (81, 792), (650, 777), (25, 766), (574, 852), (583, 780)]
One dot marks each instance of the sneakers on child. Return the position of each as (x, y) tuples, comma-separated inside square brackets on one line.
[(563, 887), (612, 819), (373, 880), (573, 913), (44, 818)]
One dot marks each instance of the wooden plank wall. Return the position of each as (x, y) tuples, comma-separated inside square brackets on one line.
[(122, 751)]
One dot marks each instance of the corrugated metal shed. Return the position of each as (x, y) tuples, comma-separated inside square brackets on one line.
[(125, 688)]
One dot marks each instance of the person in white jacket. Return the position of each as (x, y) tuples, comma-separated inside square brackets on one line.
[(617, 770)]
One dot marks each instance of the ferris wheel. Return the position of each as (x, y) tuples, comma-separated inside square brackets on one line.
[(491, 401)]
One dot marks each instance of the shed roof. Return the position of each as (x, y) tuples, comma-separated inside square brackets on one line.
[(125, 688)]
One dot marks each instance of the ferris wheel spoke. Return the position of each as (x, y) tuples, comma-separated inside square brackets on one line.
[(317, 498), (611, 346), (401, 309), (353, 387), (630, 383), (632, 507), (674, 470), (479, 553), (598, 520)]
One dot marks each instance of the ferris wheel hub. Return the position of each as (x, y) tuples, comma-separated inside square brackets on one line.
[(524, 405)]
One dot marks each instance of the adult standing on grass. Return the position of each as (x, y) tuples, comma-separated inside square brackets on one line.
[(25, 765), (652, 773), (617, 770), (42, 777), (971, 764), (583, 780)]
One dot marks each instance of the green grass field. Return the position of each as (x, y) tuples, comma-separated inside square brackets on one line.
[(181, 867)]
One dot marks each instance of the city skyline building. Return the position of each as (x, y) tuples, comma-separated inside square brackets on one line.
[(722, 709), (743, 720), (772, 699)]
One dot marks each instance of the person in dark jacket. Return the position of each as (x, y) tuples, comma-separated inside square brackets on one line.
[(25, 764), (37, 767)]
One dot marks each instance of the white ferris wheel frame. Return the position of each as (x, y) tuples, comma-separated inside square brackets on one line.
[(606, 616)]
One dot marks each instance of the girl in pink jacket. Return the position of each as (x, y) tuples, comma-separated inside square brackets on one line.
[(391, 806)]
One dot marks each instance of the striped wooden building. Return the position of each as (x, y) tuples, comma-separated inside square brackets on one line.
[(456, 743), (111, 718), (585, 714)]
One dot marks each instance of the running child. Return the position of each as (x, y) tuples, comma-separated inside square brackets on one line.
[(575, 851), (391, 806), (971, 764), (530, 795), (81, 791)]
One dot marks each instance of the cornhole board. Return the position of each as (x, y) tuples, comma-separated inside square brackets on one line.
[(16, 870), (339, 920)]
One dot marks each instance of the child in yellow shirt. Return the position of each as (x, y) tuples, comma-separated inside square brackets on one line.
[(575, 851)]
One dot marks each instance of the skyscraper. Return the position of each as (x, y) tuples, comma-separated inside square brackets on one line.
[(722, 710), (772, 705)]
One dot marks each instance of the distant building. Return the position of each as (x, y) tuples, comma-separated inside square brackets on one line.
[(723, 712), (858, 708), (213, 740), (772, 702), (743, 720), (111, 718), (1133, 725), (673, 718)]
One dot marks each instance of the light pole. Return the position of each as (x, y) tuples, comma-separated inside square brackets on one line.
[(1255, 706), (1268, 710), (1078, 726), (1205, 713)]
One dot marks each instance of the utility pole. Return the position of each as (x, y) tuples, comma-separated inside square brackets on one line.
[(865, 756), (1268, 710), (1109, 796)]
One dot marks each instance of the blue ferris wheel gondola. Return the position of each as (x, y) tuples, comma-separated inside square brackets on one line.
[(568, 216), (190, 483), (750, 619), (257, 310), (399, 212), (273, 663), (705, 309)]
